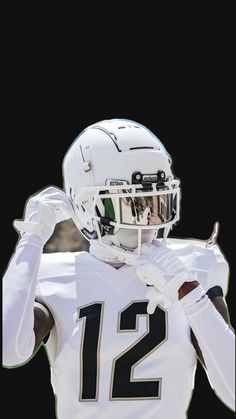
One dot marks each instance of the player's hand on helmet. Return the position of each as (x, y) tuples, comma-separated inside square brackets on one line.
[(43, 211), (159, 267)]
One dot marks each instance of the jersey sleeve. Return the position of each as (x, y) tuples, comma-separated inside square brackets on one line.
[(44, 271), (18, 301), (219, 272), (38, 295)]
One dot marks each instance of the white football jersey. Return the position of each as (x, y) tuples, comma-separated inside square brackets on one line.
[(108, 357)]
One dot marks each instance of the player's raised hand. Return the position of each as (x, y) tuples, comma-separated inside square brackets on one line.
[(43, 211), (158, 266)]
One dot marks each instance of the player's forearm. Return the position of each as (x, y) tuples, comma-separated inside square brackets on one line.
[(186, 288), (216, 341), (19, 285)]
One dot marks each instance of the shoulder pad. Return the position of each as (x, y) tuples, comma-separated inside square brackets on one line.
[(58, 264)]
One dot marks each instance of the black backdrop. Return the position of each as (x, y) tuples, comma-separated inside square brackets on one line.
[(187, 107)]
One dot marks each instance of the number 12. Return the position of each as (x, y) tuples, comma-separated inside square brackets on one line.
[(123, 386)]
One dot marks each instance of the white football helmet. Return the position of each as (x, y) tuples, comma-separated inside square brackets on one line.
[(118, 176)]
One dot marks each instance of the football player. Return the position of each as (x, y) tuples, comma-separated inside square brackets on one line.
[(122, 323)]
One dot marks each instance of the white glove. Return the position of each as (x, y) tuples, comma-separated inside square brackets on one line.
[(158, 266), (155, 298), (43, 211)]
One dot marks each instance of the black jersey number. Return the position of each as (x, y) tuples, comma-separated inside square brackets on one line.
[(89, 352), (123, 385)]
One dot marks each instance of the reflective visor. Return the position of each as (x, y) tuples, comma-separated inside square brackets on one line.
[(144, 209)]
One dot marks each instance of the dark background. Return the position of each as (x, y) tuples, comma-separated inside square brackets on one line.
[(182, 91)]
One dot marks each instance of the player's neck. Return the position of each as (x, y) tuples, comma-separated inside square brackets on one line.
[(104, 255)]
